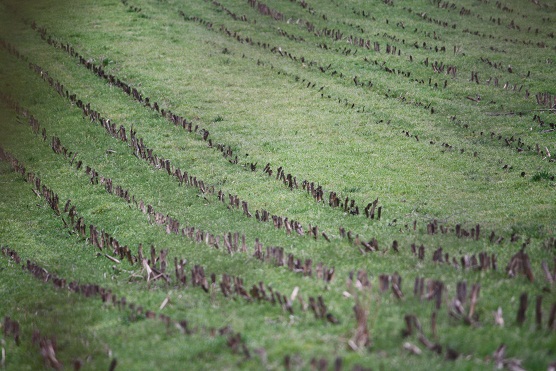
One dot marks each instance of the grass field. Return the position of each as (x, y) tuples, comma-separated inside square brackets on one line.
[(278, 185)]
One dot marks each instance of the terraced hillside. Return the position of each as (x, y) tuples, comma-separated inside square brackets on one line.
[(278, 185)]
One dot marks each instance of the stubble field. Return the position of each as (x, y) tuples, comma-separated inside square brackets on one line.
[(277, 185)]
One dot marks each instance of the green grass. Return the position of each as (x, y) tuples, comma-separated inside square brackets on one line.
[(458, 165)]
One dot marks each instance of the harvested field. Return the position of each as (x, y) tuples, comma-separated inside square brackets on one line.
[(292, 185)]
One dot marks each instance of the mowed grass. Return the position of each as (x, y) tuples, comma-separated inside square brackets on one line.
[(257, 102)]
